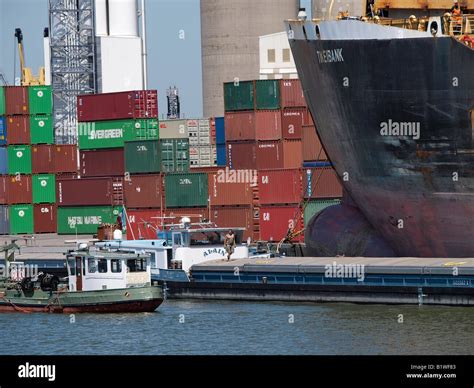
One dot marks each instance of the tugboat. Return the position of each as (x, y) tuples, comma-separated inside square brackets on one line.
[(97, 282)]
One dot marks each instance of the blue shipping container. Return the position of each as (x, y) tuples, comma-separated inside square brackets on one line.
[(3, 131), (220, 130), (3, 161), (316, 164), (221, 155)]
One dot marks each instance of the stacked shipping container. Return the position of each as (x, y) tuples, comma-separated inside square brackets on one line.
[(268, 128), (30, 161)]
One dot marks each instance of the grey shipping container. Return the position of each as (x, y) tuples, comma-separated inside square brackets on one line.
[(173, 129), (4, 220)]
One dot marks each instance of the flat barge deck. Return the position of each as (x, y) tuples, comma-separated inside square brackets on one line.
[(339, 279)]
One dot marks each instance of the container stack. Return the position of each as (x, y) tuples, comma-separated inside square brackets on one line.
[(107, 122), (28, 163), (268, 128), (202, 142)]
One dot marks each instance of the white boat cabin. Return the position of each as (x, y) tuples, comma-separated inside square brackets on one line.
[(92, 271), (182, 248)]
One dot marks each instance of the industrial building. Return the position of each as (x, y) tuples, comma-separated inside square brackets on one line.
[(230, 33)]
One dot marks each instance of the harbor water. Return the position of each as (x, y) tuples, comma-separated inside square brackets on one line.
[(231, 328)]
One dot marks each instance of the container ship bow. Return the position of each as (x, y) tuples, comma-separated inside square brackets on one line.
[(393, 105)]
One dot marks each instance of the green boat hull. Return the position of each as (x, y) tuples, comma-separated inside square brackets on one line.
[(134, 299)]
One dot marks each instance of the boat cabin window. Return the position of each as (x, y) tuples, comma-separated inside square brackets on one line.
[(212, 238), (177, 239), (102, 266), (116, 265), (91, 265), (136, 265), (96, 265), (71, 263)]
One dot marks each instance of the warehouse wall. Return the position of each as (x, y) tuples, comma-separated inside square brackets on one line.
[(229, 36)]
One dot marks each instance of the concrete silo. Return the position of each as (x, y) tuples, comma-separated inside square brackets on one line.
[(230, 45)]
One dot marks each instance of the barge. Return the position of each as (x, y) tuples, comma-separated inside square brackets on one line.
[(407, 280)]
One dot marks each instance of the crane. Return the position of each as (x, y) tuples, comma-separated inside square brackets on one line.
[(27, 77)]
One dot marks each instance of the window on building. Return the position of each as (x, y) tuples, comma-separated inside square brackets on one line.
[(102, 266), (116, 265), (286, 55), (136, 265), (271, 55)]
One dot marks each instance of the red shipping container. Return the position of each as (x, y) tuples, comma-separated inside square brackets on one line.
[(19, 190), (312, 148), (268, 125), (239, 125), (234, 217), (269, 155), (292, 121), (4, 189), (291, 94), (143, 191), (292, 153), (65, 158), (280, 186), (142, 224), (18, 130), (231, 187), (107, 162), (309, 118), (242, 155), (321, 182), (45, 218), (137, 104), (42, 159), (275, 221), (89, 192), (16, 100), (197, 214)]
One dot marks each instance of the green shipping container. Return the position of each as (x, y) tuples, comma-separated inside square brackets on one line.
[(2, 101), (268, 94), (21, 219), (40, 99), (142, 156), (86, 219), (239, 95), (19, 159), (186, 190), (151, 156), (41, 129), (44, 188), (174, 155), (114, 133), (314, 207)]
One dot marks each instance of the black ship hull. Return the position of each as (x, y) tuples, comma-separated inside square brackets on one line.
[(396, 118)]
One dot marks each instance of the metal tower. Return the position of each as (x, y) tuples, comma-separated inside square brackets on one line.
[(174, 110), (73, 68)]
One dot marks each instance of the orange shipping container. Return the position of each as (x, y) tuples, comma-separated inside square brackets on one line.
[(280, 186), (239, 125), (292, 121), (275, 221), (231, 187), (268, 124), (292, 153), (321, 182), (312, 147), (291, 93), (233, 217)]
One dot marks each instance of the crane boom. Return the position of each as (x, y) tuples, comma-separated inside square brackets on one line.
[(27, 77)]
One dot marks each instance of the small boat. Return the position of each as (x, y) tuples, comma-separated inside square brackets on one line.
[(97, 282)]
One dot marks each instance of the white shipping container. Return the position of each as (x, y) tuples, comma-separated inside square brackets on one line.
[(173, 129)]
